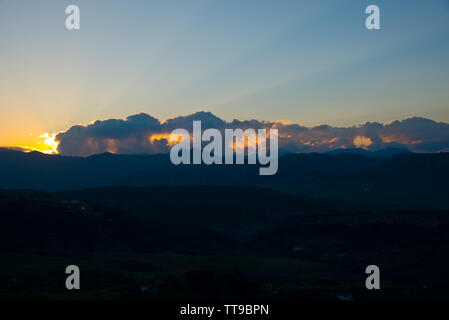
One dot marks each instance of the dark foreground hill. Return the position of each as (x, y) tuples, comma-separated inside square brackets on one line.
[(405, 181), (215, 243), (141, 228)]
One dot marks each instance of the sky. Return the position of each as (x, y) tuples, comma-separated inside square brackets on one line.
[(308, 62)]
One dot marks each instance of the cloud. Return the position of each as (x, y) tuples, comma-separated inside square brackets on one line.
[(143, 133)]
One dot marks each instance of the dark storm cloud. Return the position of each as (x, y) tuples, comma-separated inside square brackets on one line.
[(143, 133)]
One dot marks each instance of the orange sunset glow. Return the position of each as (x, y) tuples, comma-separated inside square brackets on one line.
[(44, 143)]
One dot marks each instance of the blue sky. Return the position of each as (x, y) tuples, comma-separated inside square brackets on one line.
[(310, 62)]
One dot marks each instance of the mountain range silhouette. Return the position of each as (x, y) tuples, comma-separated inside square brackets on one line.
[(383, 177)]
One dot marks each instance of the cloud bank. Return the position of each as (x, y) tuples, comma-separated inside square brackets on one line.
[(144, 134)]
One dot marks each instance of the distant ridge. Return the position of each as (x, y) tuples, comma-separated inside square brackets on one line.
[(399, 179), (387, 152)]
